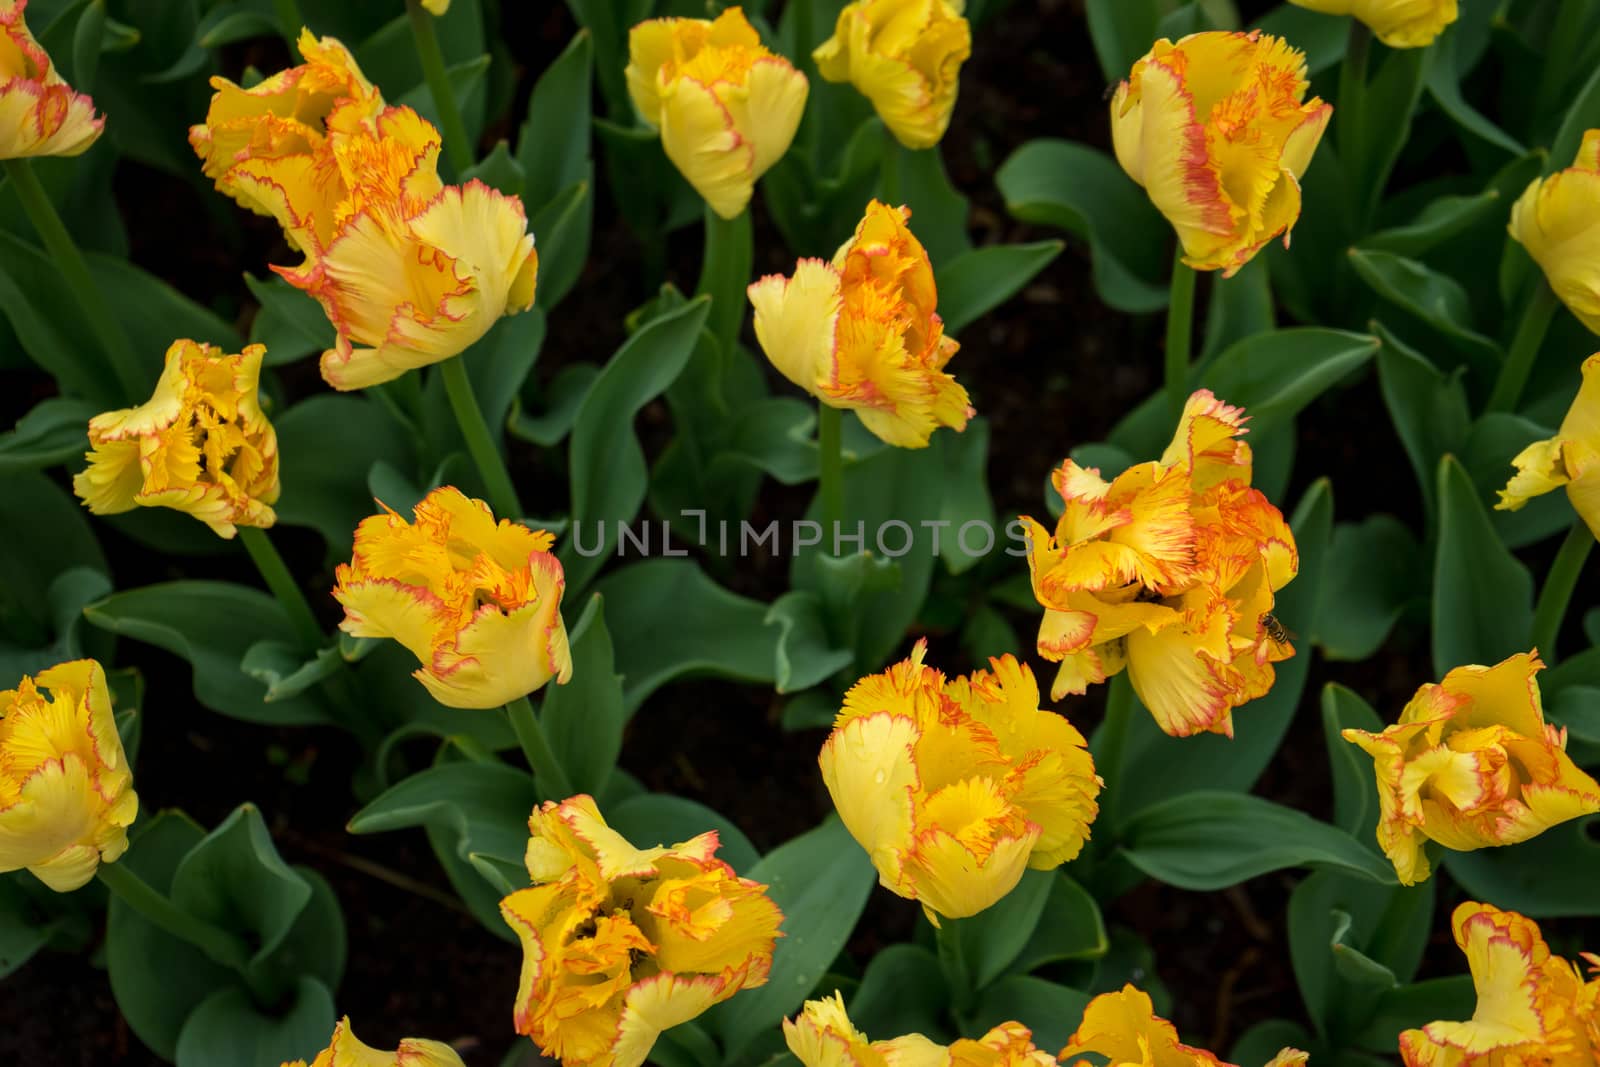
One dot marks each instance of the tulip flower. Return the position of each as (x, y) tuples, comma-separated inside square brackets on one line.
[(201, 444), (1397, 23), (1571, 458), (621, 943), (66, 791), (1557, 219), (436, 7), (861, 333), (1472, 764), (260, 144), (346, 1051), (727, 108), (1533, 1007), (822, 1035), (40, 115), (1123, 1028), (905, 56), (954, 789), (477, 602), (1217, 130), (1169, 571)]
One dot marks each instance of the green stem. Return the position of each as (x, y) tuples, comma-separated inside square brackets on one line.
[(283, 586), (220, 946), (457, 146), (953, 961), (70, 262), (830, 469), (290, 21), (1558, 586), (724, 275), (1350, 115), (1180, 330), (1111, 740), (469, 416), (1524, 349), (552, 780)]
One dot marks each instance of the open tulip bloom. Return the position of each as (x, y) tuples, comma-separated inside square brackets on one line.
[(40, 115), (822, 1035)]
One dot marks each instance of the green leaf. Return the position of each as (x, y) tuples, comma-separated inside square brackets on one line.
[(1551, 876), (499, 170), (471, 810), (583, 719), (651, 819), (1391, 104), (1241, 307), (805, 654), (976, 282), (917, 178), (54, 431), (235, 879), (284, 669), (1122, 31), (1075, 929), (1267, 1038), (605, 463), (562, 401), (668, 620), (1052, 1011), (1355, 787), (1212, 840), (228, 1028), (233, 27), (289, 322), (553, 145), (990, 940), (902, 991), (88, 40), (1435, 299), (63, 639), (1441, 220), (1482, 595), (47, 533), (1495, 438), (1083, 191), (820, 880), (1443, 79), (181, 617), (467, 80), (1583, 115), (1428, 408), (25, 928), (564, 227), (966, 497), (1381, 570), (327, 444), (1411, 1007), (153, 312)]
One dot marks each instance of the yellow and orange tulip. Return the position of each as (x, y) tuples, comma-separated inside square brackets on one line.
[(40, 115), (1533, 1007), (200, 445), (66, 791), (345, 1050), (621, 943), (477, 602), (1571, 458), (726, 106), (1169, 571), (1397, 23), (1217, 130), (956, 788), (1557, 219), (1472, 764), (822, 1035), (862, 333), (905, 56), (1123, 1028)]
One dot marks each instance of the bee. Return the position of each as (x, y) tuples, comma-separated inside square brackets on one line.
[(1277, 630)]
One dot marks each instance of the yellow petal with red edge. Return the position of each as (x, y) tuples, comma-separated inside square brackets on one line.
[(699, 136), (659, 1003), (382, 607), (1176, 671), (822, 1035), (796, 320), (1124, 1028), (971, 849), (503, 655), (1506, 694), (871, 774), (767, 111), (1397, 23)]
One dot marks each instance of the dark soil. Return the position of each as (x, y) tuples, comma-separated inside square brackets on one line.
[(1050, 370)]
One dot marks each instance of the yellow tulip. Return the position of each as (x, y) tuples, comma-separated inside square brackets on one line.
[(40, 115), (1397, 23), (1217, 130), (1169, 571), (200, 445), (1472, 764), (1557, 219), (727, 108), (1571, 458), (822, 1035), (436, 7), (862, 334), (346, 1050), (258, 142), (1124, 1029), (66, 791), (477, 602), (954, 789), (1533, 1007), (621, 943), (905, 56)]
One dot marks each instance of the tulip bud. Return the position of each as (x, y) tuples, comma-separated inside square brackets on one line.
[(1557, 219)]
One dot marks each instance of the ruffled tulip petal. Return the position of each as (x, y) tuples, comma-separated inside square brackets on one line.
[(40, 115), (1397, 23), (905, 56)]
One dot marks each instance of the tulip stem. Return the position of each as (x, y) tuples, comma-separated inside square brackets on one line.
[(724, 274), (1111, 740), (290, 597), (220, 946), (1180, 330), (1524, 349), (457, 146), (469, 416), (953, 961), (830, 469), (547, 772), (1351, 112), (1558, 586), (290, 21), (70, 262)]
